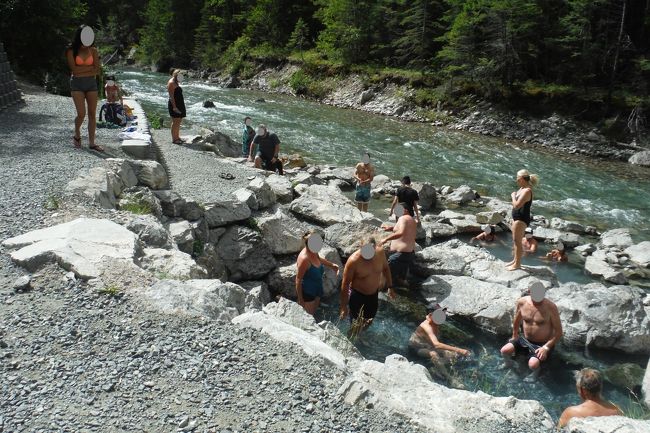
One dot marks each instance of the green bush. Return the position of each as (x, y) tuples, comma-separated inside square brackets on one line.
[(300, 82)]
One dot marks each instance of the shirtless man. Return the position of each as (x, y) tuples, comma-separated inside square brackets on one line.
[(529, 243), (402, 243), (362, 280), (542, 327), (424, 342), (589, 384), (364, 173)]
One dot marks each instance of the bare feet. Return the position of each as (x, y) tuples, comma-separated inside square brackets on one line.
[(510, 263), (513, 267)]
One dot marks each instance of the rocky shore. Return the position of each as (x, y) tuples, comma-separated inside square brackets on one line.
[(140, 307), (394, 99)]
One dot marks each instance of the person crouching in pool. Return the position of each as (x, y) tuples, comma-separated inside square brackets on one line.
[(557, 254), (362, 280), (541, 325), (402, 244), (311, 267), (487, 235), (425, 343), (529, 243)]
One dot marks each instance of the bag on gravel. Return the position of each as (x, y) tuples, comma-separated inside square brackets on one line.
[(114, 113)]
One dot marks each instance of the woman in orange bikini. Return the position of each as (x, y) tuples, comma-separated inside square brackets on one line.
[(84, 64)]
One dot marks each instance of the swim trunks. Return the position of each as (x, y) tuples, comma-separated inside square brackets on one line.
[(365, 305), (400, 263), (363, 194), (522, 344)]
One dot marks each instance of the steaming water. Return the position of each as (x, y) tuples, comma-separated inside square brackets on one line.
[(605, 194)]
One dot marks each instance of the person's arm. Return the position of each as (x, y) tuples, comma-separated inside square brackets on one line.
[(517, 320), (523, 198), (533, 247), (417, 211), (303, 265), (389, 278), (478, 237), (442, 346), (392, 205), (356, 174), (329, 264), (348, 277)]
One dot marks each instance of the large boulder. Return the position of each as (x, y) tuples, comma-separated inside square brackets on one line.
[(244, 195), (616, 238), (140, 200), (171, 203), (489, 305), (171, 264), (639, 253), (437, 230), (100, 185), (182, 233), (207, 298), (224, 145), (263, 192), (212, 263), (462, 223), (427, 194), (123, 170), (245, 254), (150, 173), (569, 240), (597, 266), (607, 317), (281, 187), (402, 388), (226, 212), (568, 226), (150, 231), (84, 246), (326, 206), (607, 424), (287, 321), (640, 158), (347, 237), (281, 231), (258, 289), (489, 217), (461, 195), (438, 261)]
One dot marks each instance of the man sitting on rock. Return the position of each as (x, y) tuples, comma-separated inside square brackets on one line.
[(425, 342), (541, 324), (362, 280), (268, 150), (402, 244), (589, 384)]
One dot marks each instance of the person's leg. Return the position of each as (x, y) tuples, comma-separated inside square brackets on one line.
[(364, 207), (518, 228), (91, 98), (280, 167), (312, 306), (508, 349), (79, 100), (178, 128), (533, 363)]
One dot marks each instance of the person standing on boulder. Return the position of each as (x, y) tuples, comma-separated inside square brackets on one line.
[(248, 133), (268, 150), (364, 173), (408, 198), (589, 384), (311, 267), (362, 280), (176, 104), (84, 64), (522, 200), (542, 327), (402, 244)]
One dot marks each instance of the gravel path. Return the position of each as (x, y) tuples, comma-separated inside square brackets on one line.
[(75, 359), (195, 174)]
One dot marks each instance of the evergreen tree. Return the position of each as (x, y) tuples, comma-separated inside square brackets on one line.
[(299, 37), (420, 30), (222, 22)]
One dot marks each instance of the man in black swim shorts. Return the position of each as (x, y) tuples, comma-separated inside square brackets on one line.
[(362, 280)]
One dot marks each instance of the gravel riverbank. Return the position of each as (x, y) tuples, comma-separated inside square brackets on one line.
[(77, 359)]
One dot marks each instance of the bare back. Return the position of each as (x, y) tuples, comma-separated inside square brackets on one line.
[(405, 243), (589, 408)]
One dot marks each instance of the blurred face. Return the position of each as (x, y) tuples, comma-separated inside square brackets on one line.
[(249, 122), (261, 131)]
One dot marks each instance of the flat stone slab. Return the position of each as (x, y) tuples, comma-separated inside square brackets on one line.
[(136, 148), (80, 246)]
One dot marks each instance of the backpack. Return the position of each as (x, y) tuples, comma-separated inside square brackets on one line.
[(114, 113)]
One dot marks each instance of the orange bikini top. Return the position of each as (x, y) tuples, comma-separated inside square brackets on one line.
[(81, 62)]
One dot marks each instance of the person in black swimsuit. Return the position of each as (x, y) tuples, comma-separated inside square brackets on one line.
[(176, 104), (521, 202)]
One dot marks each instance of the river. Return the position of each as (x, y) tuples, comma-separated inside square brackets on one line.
[(605, 194)]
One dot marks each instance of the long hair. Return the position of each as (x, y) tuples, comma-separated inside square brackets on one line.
[(76, 40)]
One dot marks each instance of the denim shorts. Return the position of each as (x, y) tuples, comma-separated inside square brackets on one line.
[(83, 84)]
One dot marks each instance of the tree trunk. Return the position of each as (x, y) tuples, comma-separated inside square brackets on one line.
[(616, 53)]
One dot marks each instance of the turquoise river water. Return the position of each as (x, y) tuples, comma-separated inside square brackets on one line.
[(606, 194)]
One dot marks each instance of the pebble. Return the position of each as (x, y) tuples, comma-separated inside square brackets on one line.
[(22, 283)]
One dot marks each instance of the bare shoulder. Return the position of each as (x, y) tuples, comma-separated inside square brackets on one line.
[(550, 305)]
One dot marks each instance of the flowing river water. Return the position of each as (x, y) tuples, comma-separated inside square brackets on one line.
[(605, 194)]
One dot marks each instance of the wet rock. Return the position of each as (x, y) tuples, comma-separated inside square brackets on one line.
[(171, 264), (607, 424), (437, 261), (245, 254), (82, 246), (616, 238), (585, 249), (209, 298), (288, 322), (208, 104), (399, 387), (639, 253), (437, 230), (294, 161), (366, 96), (626, 375), (607, 317)]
